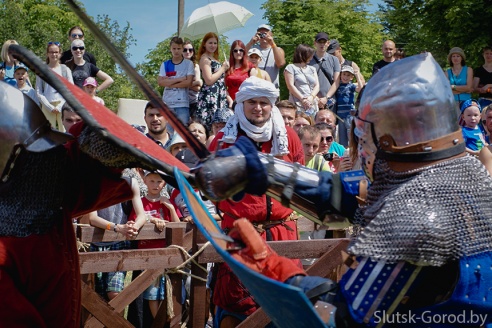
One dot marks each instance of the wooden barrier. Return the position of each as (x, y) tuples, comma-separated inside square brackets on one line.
[(154, 261)]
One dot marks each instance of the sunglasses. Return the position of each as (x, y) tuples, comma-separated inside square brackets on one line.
[(74, 35), (188, 50), (238, 50), (78, 48), (327, 139), (56, 43)]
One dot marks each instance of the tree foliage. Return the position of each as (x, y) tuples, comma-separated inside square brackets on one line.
[(150, 68), (439, 25), (33, 23), (358, 31)]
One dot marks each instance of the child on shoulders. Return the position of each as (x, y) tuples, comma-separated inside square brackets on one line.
[(345, 97), (473, 132), (21, 76)]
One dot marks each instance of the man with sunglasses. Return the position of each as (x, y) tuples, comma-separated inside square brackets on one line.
[(75, 33), (421, 253)]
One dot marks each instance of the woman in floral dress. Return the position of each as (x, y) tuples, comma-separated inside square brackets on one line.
[(212, 95)]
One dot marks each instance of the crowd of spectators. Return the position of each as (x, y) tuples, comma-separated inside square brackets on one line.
[(240, 96)]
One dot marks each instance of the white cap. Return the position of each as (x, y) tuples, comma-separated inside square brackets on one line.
[(255, 51), (265, 26), (346, 68)]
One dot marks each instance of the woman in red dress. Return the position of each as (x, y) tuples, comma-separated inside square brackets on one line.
[(239, 68)]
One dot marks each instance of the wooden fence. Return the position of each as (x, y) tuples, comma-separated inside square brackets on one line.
[(153, 262)]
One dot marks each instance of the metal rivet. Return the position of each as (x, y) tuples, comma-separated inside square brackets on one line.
[(428, 148), (455, 141)]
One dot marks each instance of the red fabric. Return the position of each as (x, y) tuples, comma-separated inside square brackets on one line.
[(233, 81), (229, 293), (156, 210), (39, 274)]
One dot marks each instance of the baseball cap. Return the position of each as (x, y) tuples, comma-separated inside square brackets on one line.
[(346, 68), (321, 36), (90, 81), (255, 51), (265, 26), (21, 66), (334, 45), (222, 115)]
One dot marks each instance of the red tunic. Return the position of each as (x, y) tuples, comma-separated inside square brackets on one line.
[(156, 210), (39, 274), (229, 293)]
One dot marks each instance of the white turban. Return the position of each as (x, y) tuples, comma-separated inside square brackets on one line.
[(254, 87), (273, 129)]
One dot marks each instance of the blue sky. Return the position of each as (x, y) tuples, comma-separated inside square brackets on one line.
[(155, 20)]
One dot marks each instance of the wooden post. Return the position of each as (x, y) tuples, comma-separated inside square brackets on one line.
[(199, 305)]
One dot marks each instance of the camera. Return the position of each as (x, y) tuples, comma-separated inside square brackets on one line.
[(262, 35), (328, 156)]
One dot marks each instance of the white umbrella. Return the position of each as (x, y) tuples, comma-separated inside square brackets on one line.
[(217, 17)]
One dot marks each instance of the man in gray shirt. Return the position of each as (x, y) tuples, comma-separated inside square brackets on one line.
[(327, 66), (273, 56)]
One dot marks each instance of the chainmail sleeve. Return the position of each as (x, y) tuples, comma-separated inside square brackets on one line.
[(103, 150)]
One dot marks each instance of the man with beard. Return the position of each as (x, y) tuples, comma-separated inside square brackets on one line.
[(388, 50), (257, 118), (157, 126)]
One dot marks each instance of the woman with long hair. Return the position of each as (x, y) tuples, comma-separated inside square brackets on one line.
[(460, 76), (51, 100), (213, 94), (239, 68), (302, 80), (189, 53)]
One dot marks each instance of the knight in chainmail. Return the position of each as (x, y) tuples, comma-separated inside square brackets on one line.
[(46, 181), (422, 257)]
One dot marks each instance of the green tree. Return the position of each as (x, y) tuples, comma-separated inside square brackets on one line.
[(33, 23), (439, 25), (150, 68), (358, 31)]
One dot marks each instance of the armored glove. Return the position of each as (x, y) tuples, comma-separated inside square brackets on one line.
[(258, 256)]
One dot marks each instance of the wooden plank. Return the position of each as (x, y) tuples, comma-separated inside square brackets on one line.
[(101, 310), (131, 292), (161, 319), (294, 249), (199, 309), (87, 234), (130, 260)]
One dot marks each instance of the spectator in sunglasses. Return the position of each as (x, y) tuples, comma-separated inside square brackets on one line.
[(51, 101), (327, 142), (82, 69), (76, 33), (239, 69), (189, 53)]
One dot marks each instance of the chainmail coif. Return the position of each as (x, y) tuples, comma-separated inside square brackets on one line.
[(427, 216)]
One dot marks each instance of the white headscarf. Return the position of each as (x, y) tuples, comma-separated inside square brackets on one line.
[(274, 128)]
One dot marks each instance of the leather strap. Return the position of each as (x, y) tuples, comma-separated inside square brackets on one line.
[(432, 150)]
